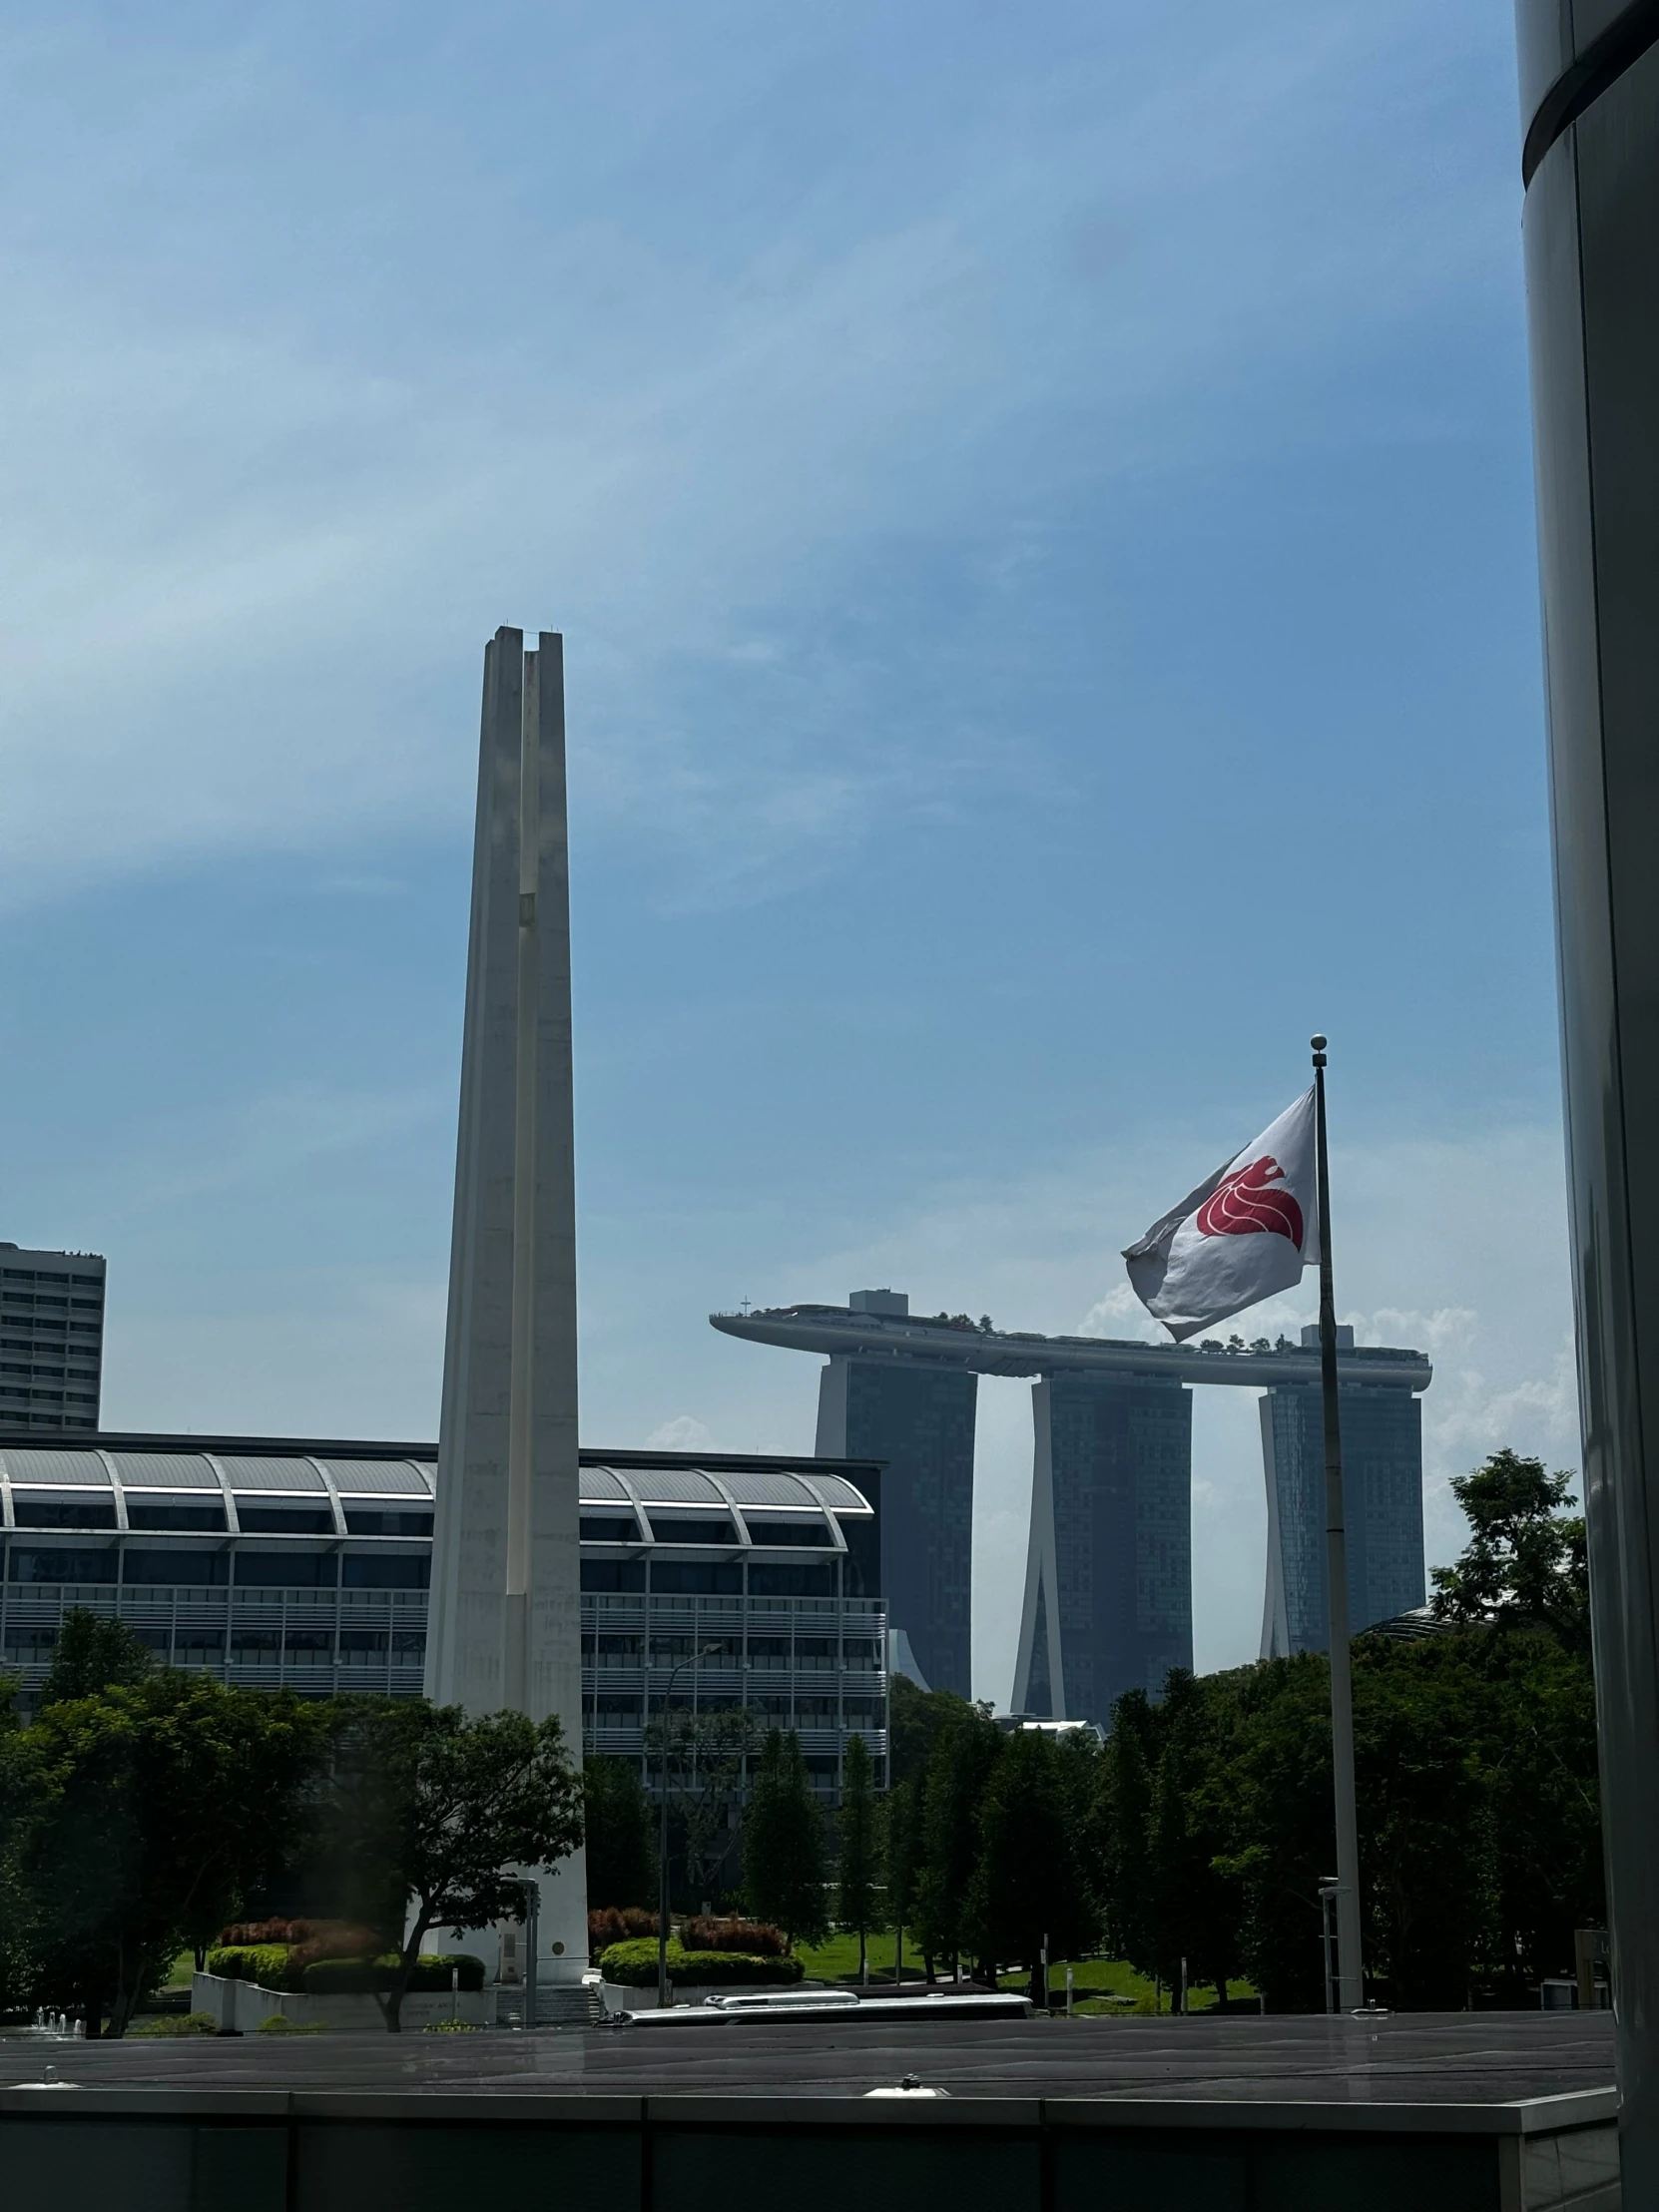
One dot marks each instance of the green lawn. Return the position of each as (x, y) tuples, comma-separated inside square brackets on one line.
[(1097, 1982), (838, 1957)]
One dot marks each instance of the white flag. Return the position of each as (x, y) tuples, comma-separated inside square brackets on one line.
[(1246, 1233)]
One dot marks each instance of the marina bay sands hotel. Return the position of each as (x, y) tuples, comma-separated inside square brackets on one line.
[(1108, 1581)]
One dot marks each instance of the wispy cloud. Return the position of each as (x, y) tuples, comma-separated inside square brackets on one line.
[(268, 528)]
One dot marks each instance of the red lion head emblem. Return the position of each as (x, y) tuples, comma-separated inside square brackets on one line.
[(1247, 1203)]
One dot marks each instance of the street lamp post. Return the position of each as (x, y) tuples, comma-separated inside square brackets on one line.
[(1330, 1890), (706, 1651)]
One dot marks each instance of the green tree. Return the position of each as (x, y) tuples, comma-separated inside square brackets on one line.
[(782, 1843), (1194, 1892), (704, 1751), (904, 1862), (1122, 1828), (1030, 1885), (1524, 1566), (159, 1804), (439, 1817), (859, 1873), (619, 1832), (916, 1720), (93, 1652), (965, 1751)]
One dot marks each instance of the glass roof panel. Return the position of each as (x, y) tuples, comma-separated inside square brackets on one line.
[(80, 1470), (273, 1475), (164, 1471)]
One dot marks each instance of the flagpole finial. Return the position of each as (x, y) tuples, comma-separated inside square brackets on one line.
[(1317, 1044)]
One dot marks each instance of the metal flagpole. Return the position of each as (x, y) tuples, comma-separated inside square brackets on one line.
[(1351, 1977)]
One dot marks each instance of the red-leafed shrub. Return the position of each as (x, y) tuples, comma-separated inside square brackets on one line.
[(618, 1923), (752, 1937), (308, 1941)]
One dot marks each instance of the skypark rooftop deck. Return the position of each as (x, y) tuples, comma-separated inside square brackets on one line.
[(1017, 1352)]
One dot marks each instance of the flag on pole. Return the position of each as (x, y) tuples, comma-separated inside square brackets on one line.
[(1244, 1234)]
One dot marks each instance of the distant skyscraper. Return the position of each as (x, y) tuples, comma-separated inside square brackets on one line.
[(920, 1418), (1108, 1581), (1383, 1499), (1108, 1587), (51, 1338)]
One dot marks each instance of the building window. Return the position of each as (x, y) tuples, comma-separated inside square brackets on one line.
[(606, 1528), (715, 1529), (801, 1582), (175, 1566), (286, 1570), (90, 1513), (207, 1518), (387, 1524), (767, 1529), (689, 1578), (284, 1520), (376, 1570), (612, 1574), (31, 1566)]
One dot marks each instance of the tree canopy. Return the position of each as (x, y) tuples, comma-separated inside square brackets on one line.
[(440, 1816), (618, 1829), (861, 1857), (149, 1810), (1524, 1566), (782, 1843)]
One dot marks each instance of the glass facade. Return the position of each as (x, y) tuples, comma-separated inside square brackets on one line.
[(1590, 119), (777, 1616), (1383, 1501), (1109, 1582), (919, 1420)]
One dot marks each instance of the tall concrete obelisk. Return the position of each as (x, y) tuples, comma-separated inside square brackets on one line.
[(506, 1608)]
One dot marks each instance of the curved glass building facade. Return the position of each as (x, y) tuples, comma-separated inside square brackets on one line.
[(1589, 77)]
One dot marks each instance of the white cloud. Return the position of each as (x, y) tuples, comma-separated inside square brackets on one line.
[(683, 1434)]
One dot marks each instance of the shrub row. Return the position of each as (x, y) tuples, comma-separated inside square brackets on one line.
[(621, 1923), (633, 1965), (176, 2023), (755, 1939), (276, 1967), (310, 1939)]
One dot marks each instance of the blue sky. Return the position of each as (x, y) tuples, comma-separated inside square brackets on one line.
[(1039, 505)]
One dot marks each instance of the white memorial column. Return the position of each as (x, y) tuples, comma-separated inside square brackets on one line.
[(506, 1603)]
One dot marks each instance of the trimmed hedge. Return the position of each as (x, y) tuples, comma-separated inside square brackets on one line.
[(633, 1965), (273, 1966), (265, 1963), (360, 1977)]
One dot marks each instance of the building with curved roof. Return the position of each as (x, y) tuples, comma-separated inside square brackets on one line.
[(302, 1565)]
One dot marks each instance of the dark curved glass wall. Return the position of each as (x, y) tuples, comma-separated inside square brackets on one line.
[(1592, 253)]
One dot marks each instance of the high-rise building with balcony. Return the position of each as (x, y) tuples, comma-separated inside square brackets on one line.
[(51, 1338)]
